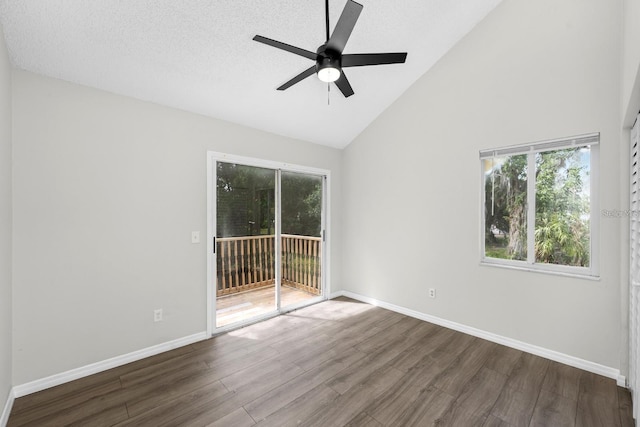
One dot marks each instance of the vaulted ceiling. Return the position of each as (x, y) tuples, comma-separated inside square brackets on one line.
[(199, 55)]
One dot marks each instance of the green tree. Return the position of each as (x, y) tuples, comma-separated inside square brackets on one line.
[(301, 204), (246, 201), (562, 208), (506, 189)]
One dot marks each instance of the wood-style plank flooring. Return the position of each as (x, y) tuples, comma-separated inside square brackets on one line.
[(337, 363)]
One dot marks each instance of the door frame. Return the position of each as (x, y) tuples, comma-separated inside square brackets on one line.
[(212, 158)]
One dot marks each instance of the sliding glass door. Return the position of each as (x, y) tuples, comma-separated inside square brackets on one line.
[(301, 201), (245, 242), (267, 244)]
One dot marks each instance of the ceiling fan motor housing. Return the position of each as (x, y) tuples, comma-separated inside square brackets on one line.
[(328, 58)]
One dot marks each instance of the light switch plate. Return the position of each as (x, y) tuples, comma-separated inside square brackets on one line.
[(195, 237)]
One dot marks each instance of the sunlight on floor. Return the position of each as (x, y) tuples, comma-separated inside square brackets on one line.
[(246, 305)]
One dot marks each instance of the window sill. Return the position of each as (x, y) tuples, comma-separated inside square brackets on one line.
[(540, 270)]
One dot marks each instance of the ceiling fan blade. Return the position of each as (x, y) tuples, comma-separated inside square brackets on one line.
[(303, 75), (362, 59), (347, 21), (344, 86), (287, 47)]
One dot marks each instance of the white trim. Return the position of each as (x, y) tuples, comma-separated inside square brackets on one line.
[(326, 232), (566, 359), (211, 232), (481, 217), (589, 139), (4, 416), (267, 164), (594, 218), (531, 211), (293, 307), (337, 294), (94, 368), (621, 381), (523, 266), (278, 240)]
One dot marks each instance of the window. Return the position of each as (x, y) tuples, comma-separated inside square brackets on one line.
[(538, 201)]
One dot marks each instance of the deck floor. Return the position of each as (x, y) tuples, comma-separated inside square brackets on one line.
[(245, 305)]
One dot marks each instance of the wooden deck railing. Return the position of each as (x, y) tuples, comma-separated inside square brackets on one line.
[(301, 262), (248, 262)]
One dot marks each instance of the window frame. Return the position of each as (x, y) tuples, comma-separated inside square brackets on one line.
[(591, 140)]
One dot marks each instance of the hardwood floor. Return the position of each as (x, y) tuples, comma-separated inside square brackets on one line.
[(337, 363)]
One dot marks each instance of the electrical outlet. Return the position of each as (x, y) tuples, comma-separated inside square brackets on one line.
[(432, 293), (157, 315)]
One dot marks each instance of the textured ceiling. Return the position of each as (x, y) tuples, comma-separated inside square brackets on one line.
[(199, 55)]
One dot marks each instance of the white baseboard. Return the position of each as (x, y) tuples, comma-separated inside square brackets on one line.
[(4, 416), (336, 294), (509, 342), (94, 368)]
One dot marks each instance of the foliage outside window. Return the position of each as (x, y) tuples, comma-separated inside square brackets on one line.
[(246, 201), (538, 205)]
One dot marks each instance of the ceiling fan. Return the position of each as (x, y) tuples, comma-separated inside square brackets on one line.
[(329, 60)]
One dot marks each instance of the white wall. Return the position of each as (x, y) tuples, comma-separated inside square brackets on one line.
[(532, 70), (5, 223), (107, 190)]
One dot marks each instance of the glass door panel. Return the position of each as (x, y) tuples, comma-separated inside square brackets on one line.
[(301, 223), (245, 243)]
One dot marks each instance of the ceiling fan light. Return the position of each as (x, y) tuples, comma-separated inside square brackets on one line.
[(329, 74)]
